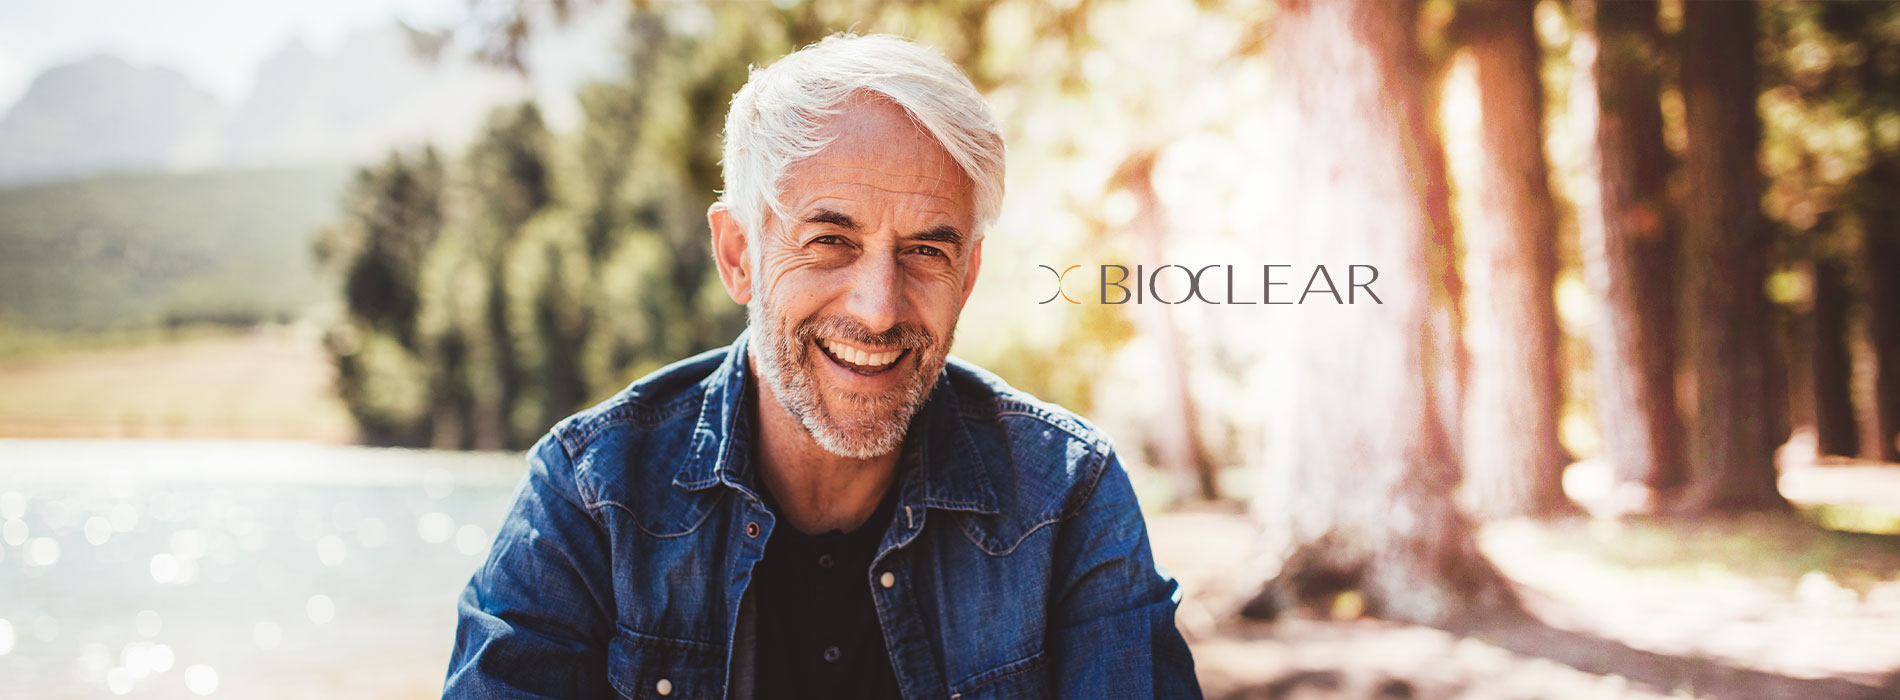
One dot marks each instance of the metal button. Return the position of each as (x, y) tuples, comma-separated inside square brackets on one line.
[(887, 580), (824, 561), (832, 654), (752, 529), (664, 687)]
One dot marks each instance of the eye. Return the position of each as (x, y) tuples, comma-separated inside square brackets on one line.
[(829, 239), (929, 251)]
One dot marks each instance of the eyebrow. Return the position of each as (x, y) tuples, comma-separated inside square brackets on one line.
[(832, 217), (941, 234)]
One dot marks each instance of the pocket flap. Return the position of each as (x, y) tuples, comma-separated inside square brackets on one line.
[(648, 667)]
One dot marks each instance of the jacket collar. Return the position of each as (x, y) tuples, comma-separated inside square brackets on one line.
[(939, 447)]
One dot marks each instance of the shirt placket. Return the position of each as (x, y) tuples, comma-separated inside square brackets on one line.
[(913, 660)]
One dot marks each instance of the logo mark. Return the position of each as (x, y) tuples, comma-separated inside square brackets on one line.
[(1059, 292)]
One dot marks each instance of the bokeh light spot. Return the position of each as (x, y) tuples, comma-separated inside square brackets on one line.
[(435, 528), (119, 681), (331, 550), (267, 635), (471, 540), (43, 552), (320, 609), (147, 623), (12, 505), (164, 568), (98, 530), (201, 679)]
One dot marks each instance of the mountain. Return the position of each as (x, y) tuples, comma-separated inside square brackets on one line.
[(103, 114), (130, 197), (373, 93), (118, 251)]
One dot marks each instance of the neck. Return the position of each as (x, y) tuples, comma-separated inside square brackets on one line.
[(816, 491)]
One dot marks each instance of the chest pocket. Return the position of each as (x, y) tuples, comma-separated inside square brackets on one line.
[(647, 667), (1025, 678)]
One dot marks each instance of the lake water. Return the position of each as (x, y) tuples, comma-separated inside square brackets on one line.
[(237, 569)]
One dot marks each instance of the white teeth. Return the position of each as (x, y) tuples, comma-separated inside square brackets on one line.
[(860, 357)]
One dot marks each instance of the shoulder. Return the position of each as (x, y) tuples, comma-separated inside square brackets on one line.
[(1044, 463), (636, 437), (985, 397), (654, 400)]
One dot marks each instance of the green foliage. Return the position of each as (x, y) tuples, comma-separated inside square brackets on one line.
[(393, 217), (1831, 121), (124, 252), (490, 298)]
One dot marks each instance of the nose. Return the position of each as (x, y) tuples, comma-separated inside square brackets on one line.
[(876, 298)]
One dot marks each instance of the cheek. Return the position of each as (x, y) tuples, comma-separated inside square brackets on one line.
[(937, 298), (796, 295)]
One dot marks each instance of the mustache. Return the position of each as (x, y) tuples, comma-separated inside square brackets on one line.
[(902, 335)]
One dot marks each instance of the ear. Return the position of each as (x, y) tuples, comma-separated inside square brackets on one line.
[(729, 253), (976, 265)]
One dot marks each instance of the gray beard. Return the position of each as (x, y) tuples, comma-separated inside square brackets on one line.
[(785, 359)]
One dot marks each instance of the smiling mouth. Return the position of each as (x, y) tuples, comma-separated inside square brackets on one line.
[(869, 364)]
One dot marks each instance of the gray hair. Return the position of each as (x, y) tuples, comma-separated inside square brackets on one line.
[(775, 119)]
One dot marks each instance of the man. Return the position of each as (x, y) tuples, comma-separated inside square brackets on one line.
[(831, 507)]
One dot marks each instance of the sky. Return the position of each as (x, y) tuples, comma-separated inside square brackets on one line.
[(218, 44)]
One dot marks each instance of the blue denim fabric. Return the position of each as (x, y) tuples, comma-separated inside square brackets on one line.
[(1019, 562)]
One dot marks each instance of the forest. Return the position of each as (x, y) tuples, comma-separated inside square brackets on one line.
[(1636, 260)]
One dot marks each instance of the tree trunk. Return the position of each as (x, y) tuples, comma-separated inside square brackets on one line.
[(1834, 428), (1881, 251), (496, 431), (1512, 459), (1731, 447), (1630, 251), (1780, 340), (1361, 472), (1177, 441)]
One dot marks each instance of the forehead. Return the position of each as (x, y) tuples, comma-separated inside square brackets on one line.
[(875, 143)]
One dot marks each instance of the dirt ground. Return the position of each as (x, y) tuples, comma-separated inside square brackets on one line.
[(267, 383), (1746, 607)]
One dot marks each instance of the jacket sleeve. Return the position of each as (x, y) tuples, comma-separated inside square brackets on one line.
[(534, 620), (1112, 632)]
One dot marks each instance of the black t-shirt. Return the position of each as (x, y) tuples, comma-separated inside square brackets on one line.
[(817, 629)]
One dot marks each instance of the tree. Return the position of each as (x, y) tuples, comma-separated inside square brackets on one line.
[(554, 272), (1732, 450), (1630, 249), (468, 342), (1362, 467), (1880, 241), (393, 215), (1826, 192), (1880, 250), (1177, 448), (1860, 84), (1512, 458), (1835, 430)]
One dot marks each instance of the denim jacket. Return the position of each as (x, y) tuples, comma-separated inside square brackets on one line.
[(1016, 565)]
